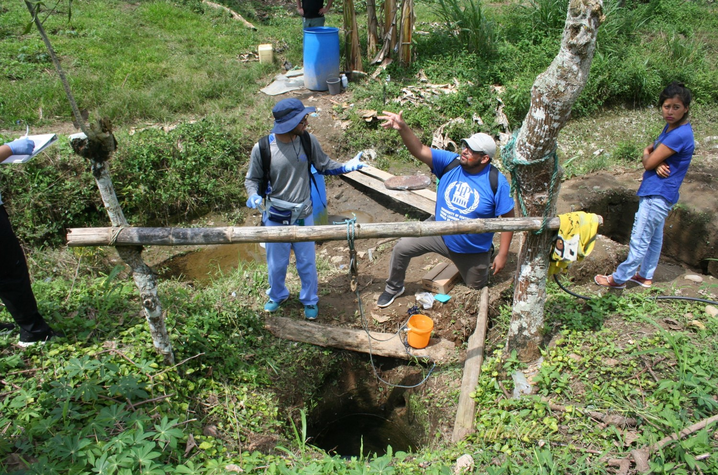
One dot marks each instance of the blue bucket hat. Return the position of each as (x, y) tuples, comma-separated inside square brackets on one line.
[(288, 113)]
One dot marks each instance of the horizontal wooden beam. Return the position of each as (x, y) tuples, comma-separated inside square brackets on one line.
[(378, 344), (134, 236)]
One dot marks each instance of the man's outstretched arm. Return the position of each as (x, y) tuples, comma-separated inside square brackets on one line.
[(412, 142)]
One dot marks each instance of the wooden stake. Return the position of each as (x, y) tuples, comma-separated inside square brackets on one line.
[(466, 410)]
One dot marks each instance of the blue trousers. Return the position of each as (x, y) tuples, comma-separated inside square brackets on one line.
[(278, 254), (646, 239)]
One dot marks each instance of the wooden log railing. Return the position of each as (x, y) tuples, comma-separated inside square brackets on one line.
[(133, 236)]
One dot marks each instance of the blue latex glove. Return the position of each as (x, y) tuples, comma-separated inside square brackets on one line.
[(350, 166), (254, 201), (22, 146)]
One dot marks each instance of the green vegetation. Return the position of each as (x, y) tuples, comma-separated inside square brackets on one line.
[(173, 77)]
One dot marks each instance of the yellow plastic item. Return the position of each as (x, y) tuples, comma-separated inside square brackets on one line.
[(266, 53)]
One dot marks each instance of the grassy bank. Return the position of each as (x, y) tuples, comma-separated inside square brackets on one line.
[(173, 78)]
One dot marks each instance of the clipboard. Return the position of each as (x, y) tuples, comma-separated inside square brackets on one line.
[(41, 143)]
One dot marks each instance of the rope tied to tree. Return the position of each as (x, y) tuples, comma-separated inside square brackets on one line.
[(511, 161), (115, 235)]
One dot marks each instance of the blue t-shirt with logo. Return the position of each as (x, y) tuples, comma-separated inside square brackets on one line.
[(461, 195), (680, 140)]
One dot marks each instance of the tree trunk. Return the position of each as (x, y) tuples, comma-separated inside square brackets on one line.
[(351, 38), (372, 28), (553, 94), (406, 31), (132, 256)]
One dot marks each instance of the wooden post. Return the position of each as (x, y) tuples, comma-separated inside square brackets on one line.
[(131, 236), (466, 411)]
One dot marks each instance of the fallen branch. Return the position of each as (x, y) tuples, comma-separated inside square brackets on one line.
[(613, 420), (234, 14), (641, 456)]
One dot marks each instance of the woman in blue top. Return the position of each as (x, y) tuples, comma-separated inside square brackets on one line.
[(666, 162)]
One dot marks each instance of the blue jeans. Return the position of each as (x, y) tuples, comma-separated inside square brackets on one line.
[(278, 254), (646, 239)]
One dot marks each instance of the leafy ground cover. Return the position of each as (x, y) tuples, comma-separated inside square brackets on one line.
[(618, 374)]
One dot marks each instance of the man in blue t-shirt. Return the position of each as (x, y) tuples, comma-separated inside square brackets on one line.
[(464, 192)]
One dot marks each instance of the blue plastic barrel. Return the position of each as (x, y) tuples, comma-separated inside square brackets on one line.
[(321, 56), (319, 198)]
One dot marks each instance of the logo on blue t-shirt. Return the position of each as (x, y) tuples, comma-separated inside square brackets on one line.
[(460, 197)]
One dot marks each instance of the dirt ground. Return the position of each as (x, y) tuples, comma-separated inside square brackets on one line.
[(689, 245)]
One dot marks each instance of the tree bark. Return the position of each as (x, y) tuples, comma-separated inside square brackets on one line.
[(351, 38), (406, 31), (372, 28), (132, 256), (552, 96)]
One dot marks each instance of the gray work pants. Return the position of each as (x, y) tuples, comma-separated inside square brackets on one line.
[(474, 268)]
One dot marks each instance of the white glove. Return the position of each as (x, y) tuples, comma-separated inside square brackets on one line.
[(354, 164)]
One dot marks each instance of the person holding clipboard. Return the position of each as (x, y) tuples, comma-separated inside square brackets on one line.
[(15, 290)]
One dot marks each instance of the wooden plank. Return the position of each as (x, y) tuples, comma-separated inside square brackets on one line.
[(383, 176), (407, 197), (380, 344), (466, 410)]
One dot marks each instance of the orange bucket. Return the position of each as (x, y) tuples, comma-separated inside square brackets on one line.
[(420, 327)]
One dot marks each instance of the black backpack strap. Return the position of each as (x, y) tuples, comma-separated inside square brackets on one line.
[(307, 145), (494, 179), (266, 154)]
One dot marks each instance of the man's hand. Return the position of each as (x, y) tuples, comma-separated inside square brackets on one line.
[(663, 170), (499, 263), (23, 146), (354, 164), (392, 121), (254, 201)]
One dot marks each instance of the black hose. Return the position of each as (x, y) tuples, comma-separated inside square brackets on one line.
[(659, 297)]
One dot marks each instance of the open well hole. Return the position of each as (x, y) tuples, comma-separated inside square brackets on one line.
[(358, 415)]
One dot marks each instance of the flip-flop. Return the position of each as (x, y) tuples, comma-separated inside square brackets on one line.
[(605, 281), (642, 281)]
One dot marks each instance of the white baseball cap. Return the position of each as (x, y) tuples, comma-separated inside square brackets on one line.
[(481, 143)]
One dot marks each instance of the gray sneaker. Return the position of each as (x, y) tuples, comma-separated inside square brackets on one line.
[(386, 298)]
